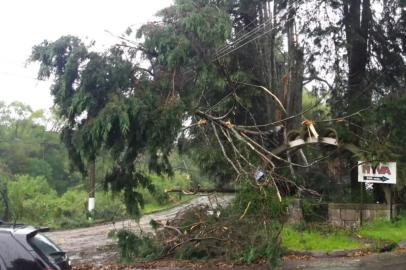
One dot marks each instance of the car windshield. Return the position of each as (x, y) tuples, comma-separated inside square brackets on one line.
[(46, 246)]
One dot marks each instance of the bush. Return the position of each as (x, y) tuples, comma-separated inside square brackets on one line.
[(109, 207), (132, 247), (72, 209), (248, 230), (32, 200)]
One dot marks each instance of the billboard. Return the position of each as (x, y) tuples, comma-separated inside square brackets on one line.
[(384, 173)]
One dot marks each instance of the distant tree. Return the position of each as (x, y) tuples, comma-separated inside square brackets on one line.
[(29, 144)]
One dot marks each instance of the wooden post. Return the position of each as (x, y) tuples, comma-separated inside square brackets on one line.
[(388, 197), (362, 204), (390, 204)]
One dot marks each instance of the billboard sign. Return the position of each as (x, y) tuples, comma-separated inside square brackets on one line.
[(384, 173)]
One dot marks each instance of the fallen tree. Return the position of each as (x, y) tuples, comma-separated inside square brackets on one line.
[(248, 230)]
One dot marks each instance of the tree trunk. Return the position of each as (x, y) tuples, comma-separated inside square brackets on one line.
[(357, 17), (294, 79), (4, 196)]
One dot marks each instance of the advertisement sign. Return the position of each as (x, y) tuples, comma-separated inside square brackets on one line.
[(384, 173)]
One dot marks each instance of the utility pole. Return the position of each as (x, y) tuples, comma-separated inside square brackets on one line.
[(92, 186)]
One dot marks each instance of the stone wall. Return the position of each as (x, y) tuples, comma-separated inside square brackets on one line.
[(295, 213), (349, 214)]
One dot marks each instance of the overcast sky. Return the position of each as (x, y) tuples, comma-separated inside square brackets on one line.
[(24, 23)]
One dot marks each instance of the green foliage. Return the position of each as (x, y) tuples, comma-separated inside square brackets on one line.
[(39, 167), (319, 240), (260, 200), (385, 230), (29, 146), (133, 247), (377, 233), (109, 207), (315, 108), (313, 210), (110, 105), (71, 211), (27, 196), (92, 92), (261, 218), (4, 199), (237, 232), (32, 199)]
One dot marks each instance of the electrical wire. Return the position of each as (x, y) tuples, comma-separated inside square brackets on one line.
[(244, 36), (223, 49), (217, 57)]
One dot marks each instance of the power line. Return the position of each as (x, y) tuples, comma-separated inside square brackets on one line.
[(238, 39), (217, 57), (223, 49), (244, 37)]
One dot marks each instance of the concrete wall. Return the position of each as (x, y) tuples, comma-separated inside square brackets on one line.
[(349, 214)]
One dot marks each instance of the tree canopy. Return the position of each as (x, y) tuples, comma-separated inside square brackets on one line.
[(223, 80)]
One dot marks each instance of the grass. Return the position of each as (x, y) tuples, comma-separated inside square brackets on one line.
[(71, 211), (385, 230), (317, 240), (378, 231)]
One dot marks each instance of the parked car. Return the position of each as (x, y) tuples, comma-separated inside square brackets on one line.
[(24, 247)]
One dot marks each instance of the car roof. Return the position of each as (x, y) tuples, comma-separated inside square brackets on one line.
[(20, 229)]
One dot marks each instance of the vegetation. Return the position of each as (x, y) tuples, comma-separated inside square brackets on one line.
[(36, 176), (385, 230), (30, 145), (203, 232), (314, 239), (222, 82), (28, 196), (324, 238)]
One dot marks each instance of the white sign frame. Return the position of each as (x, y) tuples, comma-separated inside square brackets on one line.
[(384, 173)]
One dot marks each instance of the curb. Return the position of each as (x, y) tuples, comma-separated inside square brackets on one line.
[(342, 252), (325, 254)]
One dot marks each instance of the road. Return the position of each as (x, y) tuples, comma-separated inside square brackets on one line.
[(92, 245)]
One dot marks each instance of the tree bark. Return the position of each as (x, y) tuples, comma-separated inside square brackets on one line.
[(293, 97), (357, 19), (6, 214)]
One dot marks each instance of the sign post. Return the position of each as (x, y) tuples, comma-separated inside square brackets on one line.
[(362, 204), (384, 173)]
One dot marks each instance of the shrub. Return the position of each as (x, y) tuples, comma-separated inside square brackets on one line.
[(248, 230), (32, 200), (132, 247), (109, 207)]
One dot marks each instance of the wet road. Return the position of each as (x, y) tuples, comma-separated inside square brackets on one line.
[(88, 245), (92, 245)]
